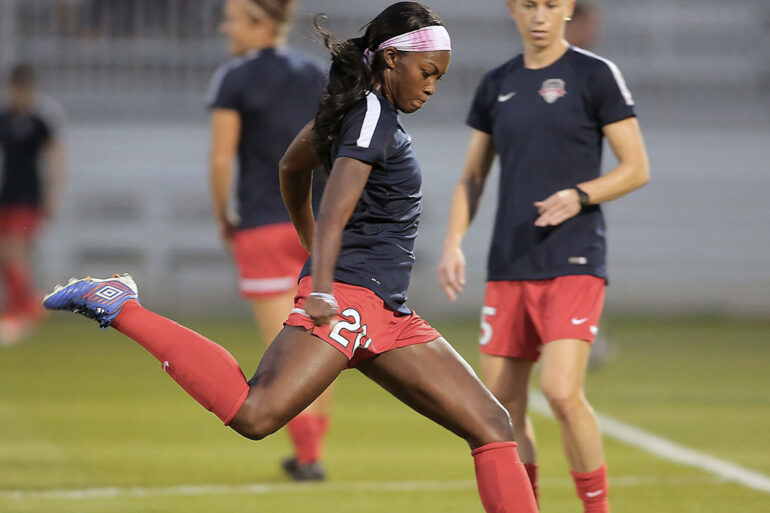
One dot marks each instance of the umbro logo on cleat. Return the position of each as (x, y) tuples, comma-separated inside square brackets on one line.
[(109, 292)]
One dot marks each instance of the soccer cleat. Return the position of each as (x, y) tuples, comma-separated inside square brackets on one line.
[(100, 300), (304, 471)]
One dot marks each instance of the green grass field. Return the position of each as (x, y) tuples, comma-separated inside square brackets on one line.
[(83, 409)]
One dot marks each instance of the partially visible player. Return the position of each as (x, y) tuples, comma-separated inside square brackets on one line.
[(583, 31), (362, 257), (259, 101), (584, 27), (546, 113), (32, 169)]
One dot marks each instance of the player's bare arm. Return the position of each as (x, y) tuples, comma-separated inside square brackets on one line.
[(631, 173), (465, 203), (225, 133), (343, 190), (296, 177)]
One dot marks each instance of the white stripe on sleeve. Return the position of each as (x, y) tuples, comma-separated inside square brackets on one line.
[(615, 73), (219, 75), (370, 120)]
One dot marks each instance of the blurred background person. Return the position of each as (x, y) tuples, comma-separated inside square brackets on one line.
[(584, 28), (32, 169), (259, 101)]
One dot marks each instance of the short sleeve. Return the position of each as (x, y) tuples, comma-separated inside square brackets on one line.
[(480, 115), (224, 90), (611, 99), (366, 133)]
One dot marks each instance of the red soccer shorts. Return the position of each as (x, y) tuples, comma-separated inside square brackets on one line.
[(365, 327), (520, 316), (19, 221), (269, 260)]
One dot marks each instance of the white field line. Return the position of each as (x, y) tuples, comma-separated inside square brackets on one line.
[(668, 449), (723, 471), (268, 488)]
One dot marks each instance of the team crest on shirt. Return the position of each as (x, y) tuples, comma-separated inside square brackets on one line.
[(552, 89)]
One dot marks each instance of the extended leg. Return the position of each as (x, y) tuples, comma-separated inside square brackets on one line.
[(436, 382), (508, 380)]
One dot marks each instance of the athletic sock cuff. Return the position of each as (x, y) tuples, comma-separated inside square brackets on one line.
[(588, 475), (493, 446)]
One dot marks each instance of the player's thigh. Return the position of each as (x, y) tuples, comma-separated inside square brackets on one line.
[(563, 368), (270, 312), (508, 379), (433, 379), (295, 370)]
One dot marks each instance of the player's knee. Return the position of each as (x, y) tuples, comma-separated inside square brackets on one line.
[(256, 420), (563, 400), (517, 407), (496, 426), (257, 428)]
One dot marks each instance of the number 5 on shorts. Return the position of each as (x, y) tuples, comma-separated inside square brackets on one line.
[(486, 328)]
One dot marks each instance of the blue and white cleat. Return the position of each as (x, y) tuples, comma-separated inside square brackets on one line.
[(100, 300)]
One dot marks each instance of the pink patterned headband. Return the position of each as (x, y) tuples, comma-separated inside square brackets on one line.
[(426, 39)]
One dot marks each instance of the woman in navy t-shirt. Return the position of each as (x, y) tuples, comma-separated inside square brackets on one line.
[(259, 100), (545, 113), (351, 309)]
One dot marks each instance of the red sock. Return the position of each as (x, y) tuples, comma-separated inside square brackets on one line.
[(17, 287), (531, 469), (307, 432), (202, 368), (592, 488), (502, 479), (323, 426)]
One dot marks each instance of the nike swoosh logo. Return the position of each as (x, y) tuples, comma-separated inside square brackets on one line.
[(594, 494), (505, 97), (579, 321)]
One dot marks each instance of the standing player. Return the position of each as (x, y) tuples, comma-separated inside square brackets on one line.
[(361, 264), (259, 101), (28, 195), (545, 113)]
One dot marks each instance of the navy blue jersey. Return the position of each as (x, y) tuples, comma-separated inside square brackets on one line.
[(547, 128), (275, 92), (22, 140), (378, 240)]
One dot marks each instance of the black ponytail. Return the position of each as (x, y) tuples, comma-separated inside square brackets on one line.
[(350, 77)]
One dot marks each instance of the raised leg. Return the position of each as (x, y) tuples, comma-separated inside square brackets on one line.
[(306, 430), (295, 370)]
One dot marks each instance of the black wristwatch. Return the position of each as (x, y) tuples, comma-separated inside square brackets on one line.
[(582, 197)]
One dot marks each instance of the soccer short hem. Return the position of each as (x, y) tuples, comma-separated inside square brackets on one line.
[(269, 259), (519, 317)]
